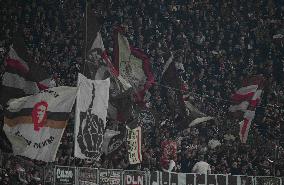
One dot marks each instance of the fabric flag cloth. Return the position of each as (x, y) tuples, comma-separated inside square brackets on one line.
[(171, 88), (108, 135), (245, 125), (98, 66), (196, 116), (120, 103), (34, 124), (134, 145), (113, 140), (133, 65), (177, 97), (90, 117), (97, 61), (21, 77), (245, 101)]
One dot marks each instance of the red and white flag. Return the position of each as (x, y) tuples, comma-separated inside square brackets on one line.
[(245, 125), (98, 51), (133, 65), (21, 77), (98, 64), (245, 101), (245, 93)]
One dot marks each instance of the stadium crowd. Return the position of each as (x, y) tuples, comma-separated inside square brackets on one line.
[(216, 44)]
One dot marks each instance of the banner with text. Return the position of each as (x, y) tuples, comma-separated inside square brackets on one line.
[(64, 175), (87, 176), (134, 178), (110, 177), (35, 124), (134, 145)]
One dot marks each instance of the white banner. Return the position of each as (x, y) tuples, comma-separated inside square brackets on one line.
[(134, 145), (90, 121), (35, 124)]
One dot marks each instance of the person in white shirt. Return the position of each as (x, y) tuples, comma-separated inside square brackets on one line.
[(201, 167)]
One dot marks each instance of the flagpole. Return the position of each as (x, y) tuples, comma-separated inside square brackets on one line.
[(86, 35), (84, 67)]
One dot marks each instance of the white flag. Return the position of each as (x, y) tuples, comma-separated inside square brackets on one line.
[(35, 124), (90, 121)]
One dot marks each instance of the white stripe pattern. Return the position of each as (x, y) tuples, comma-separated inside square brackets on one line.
[(247, 89), (16, 81), (240, 107), (55, 104), (13, 55)]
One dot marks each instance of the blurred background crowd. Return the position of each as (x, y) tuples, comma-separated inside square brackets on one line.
[(216, 44)]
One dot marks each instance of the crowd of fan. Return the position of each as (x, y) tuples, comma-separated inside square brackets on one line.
[(216, 44)]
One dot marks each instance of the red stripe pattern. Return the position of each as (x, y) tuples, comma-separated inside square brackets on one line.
[(251, 93), (17, 65)]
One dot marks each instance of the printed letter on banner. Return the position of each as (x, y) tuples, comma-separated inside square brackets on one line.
[(134, 145), (91, 111), (134, 178), (87, 176), (65, 175), (110, 177)]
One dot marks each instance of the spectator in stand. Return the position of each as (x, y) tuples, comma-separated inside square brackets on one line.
[(201, 167), (219, 43)]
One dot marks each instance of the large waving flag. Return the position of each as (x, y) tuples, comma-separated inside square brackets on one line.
[(34, 124), (91, 112), (98, 65), (171, 86), (176, 96), (133, 65), (245, 101), (21, 77)]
